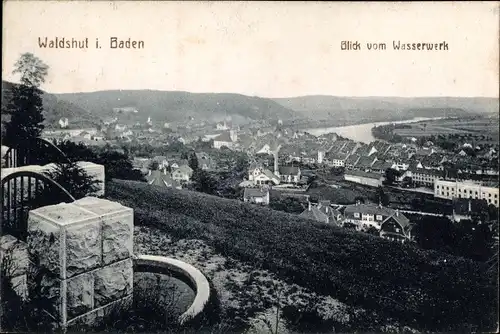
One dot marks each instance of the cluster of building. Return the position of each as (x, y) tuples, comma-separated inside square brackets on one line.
[(172, 172), (385, 222)]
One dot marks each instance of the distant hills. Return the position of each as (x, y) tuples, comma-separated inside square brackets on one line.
[(88, 109), (179, 106), (324, 106), (54, 109)]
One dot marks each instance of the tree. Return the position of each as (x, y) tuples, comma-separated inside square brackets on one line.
[(25, 105), (74, 179), (118, 166), (193, 162), (203, 182), (391, 175), (242, 163), (381, 197)]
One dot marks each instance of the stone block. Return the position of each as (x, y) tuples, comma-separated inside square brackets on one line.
[(80, 295), (117, 227), (96, 171), (44, 244), (65, 238), (83, 248), (113, 282)]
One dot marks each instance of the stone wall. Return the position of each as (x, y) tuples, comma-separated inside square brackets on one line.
[(84, 251)]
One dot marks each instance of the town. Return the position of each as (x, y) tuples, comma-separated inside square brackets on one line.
[(264, 163)]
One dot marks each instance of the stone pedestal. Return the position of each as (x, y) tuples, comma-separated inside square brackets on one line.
[(83, 254)]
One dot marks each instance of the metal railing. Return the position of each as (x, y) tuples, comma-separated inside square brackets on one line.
[(37, 151), (24, 191)]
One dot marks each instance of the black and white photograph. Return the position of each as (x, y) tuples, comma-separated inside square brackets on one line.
[(249, 167)]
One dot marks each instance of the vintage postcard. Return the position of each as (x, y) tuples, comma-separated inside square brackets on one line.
[(249, 167)]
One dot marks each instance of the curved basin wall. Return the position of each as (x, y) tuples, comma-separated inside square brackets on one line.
[(193, 277)]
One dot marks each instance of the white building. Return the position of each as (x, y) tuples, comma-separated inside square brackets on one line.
[(63, 122), (227, 139), (466, 189), (258, 175)]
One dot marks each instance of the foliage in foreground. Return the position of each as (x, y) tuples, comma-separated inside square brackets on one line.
[(426, 290)]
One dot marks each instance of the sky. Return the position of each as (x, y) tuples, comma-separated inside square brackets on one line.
[(268, 49)]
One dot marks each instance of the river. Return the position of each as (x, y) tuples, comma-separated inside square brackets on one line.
[(362, 132)]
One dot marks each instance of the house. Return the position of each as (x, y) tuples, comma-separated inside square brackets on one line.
[(424, 177), (365, 178), (337, 159), (85, 134), (365, 163), (256, 195), (352, 160), (289, 174), (365, 216), (313, 213), (259, 175), (424, 152), (308, 158), (161, 161), (99, 136), (400, 165), (177, 163), (322, 212), (126, 133), (63, 122), (380, 166), (390, 223), (163, 179), (182, 174), (396, 228), (120, 127), (227, 139), (205, 162)]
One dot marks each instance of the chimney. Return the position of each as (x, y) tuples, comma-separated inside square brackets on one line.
[(149, 173), (397, 212), (308, 205), (276, 168)]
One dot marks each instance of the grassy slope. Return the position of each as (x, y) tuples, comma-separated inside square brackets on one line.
[(412, 286)]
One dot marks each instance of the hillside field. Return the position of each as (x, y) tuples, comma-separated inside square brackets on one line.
[(464, 127), (425, 290)]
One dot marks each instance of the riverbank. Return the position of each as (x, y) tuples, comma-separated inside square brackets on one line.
[(363, 132)]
